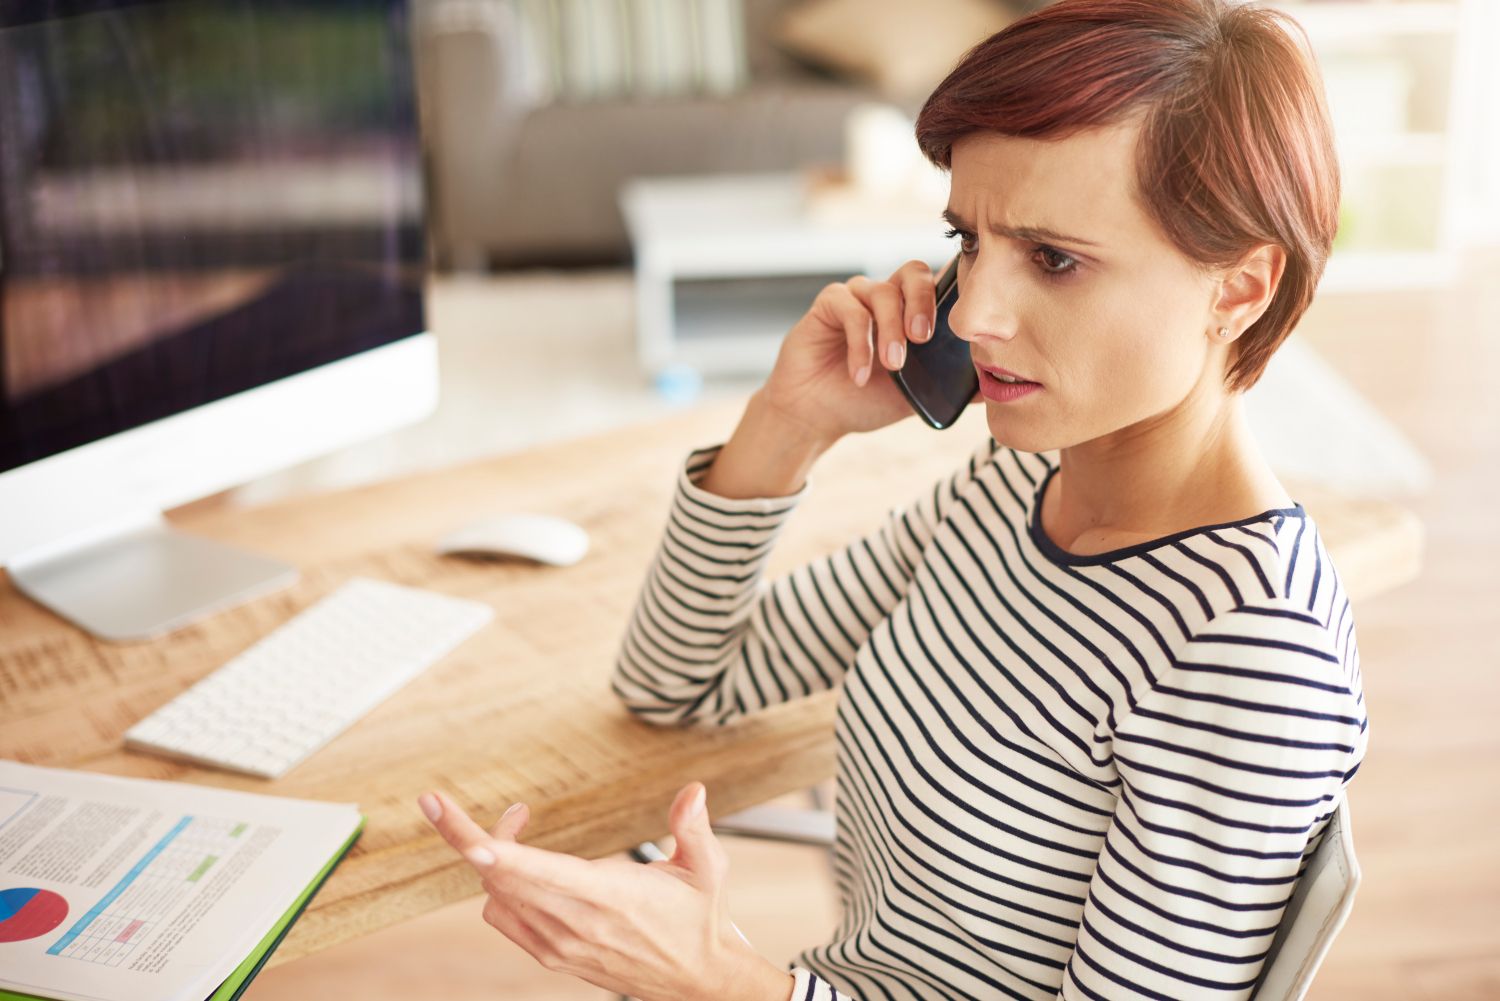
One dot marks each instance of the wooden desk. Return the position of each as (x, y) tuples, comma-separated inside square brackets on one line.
[(522, 711)]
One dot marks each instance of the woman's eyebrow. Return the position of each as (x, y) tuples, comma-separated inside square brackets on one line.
[(1040, 233)]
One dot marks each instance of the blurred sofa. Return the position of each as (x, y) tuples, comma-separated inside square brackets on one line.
[(518, 178)]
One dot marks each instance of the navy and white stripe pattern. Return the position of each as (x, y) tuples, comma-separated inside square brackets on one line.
[(1058, 776)]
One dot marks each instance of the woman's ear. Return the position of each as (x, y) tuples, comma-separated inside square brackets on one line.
[(1246, 290)]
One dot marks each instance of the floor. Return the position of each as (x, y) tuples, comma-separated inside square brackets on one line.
[(1426, 804)]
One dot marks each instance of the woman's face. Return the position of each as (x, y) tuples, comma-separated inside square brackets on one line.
[(1111, 320)]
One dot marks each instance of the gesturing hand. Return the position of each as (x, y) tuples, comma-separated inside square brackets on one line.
[(657, 932)]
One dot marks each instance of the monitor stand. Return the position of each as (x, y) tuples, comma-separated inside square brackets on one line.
[(146, 580)]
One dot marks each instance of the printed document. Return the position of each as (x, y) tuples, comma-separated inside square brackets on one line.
[(117, 889)]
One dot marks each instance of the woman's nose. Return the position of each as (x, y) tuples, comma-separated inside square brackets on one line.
[(982, 309)]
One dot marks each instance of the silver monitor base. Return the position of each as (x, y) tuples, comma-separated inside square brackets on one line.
[(146, 581)]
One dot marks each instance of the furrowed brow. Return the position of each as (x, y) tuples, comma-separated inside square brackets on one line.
[(1038, 233)]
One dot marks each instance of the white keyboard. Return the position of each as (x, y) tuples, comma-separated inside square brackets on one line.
[(307, 681)]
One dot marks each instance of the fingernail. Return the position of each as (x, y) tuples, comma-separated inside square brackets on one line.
[(430, 806), (699, 801), (513, 808), (861, 376), (480, 856), (919, 327), (896, 353)]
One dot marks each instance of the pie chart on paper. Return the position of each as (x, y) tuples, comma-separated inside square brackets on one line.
[(26, 912)]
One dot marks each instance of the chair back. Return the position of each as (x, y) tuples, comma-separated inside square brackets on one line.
[(1319, 907)]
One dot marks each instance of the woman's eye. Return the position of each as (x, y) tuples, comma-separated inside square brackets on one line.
[(963, 244), (1055, 263)]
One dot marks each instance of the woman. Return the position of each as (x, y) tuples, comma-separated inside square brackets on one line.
[(1099, 688)]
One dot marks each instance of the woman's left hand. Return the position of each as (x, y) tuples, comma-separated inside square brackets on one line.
[(657, 932)]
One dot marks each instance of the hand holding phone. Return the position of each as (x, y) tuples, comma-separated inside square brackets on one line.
[(938, 378), (826, 381)]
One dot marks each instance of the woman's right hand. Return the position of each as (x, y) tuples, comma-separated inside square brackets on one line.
[(827, 376), (827, 382)]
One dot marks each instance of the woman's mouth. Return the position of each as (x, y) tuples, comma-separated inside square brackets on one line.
[(1003, 386)]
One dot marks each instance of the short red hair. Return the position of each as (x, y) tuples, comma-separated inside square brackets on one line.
[(1235, 134)]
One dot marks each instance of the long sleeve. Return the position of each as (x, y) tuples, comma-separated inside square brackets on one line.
[(808, 986), (710, 639), (1228, 769)]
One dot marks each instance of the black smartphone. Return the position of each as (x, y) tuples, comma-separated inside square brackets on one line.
[(938, 378)]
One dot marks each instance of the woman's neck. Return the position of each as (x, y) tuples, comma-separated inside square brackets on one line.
[(1195, 465)]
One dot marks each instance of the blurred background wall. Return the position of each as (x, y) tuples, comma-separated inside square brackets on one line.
[(538, 110)]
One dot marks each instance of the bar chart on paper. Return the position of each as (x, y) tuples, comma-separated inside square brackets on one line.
[(155, 887)]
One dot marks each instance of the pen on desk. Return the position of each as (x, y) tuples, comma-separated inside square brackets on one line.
[(648, 852)]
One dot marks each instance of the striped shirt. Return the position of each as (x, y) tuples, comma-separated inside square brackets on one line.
[(1058, 775)]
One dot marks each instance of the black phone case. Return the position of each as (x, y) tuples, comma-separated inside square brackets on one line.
[(938, 379)]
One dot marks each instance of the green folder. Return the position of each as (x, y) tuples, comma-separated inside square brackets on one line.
[(234, 985)]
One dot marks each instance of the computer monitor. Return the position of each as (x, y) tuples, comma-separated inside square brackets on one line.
[(211, 259)]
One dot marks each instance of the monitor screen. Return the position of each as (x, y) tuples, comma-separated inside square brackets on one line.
[(197, 197)]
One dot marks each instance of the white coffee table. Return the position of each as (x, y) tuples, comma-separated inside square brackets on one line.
[(726, 264)]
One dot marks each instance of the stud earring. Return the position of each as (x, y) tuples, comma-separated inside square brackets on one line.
[(1223, 331)]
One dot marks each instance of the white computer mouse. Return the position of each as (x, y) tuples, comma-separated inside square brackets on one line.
[(540, 537)]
